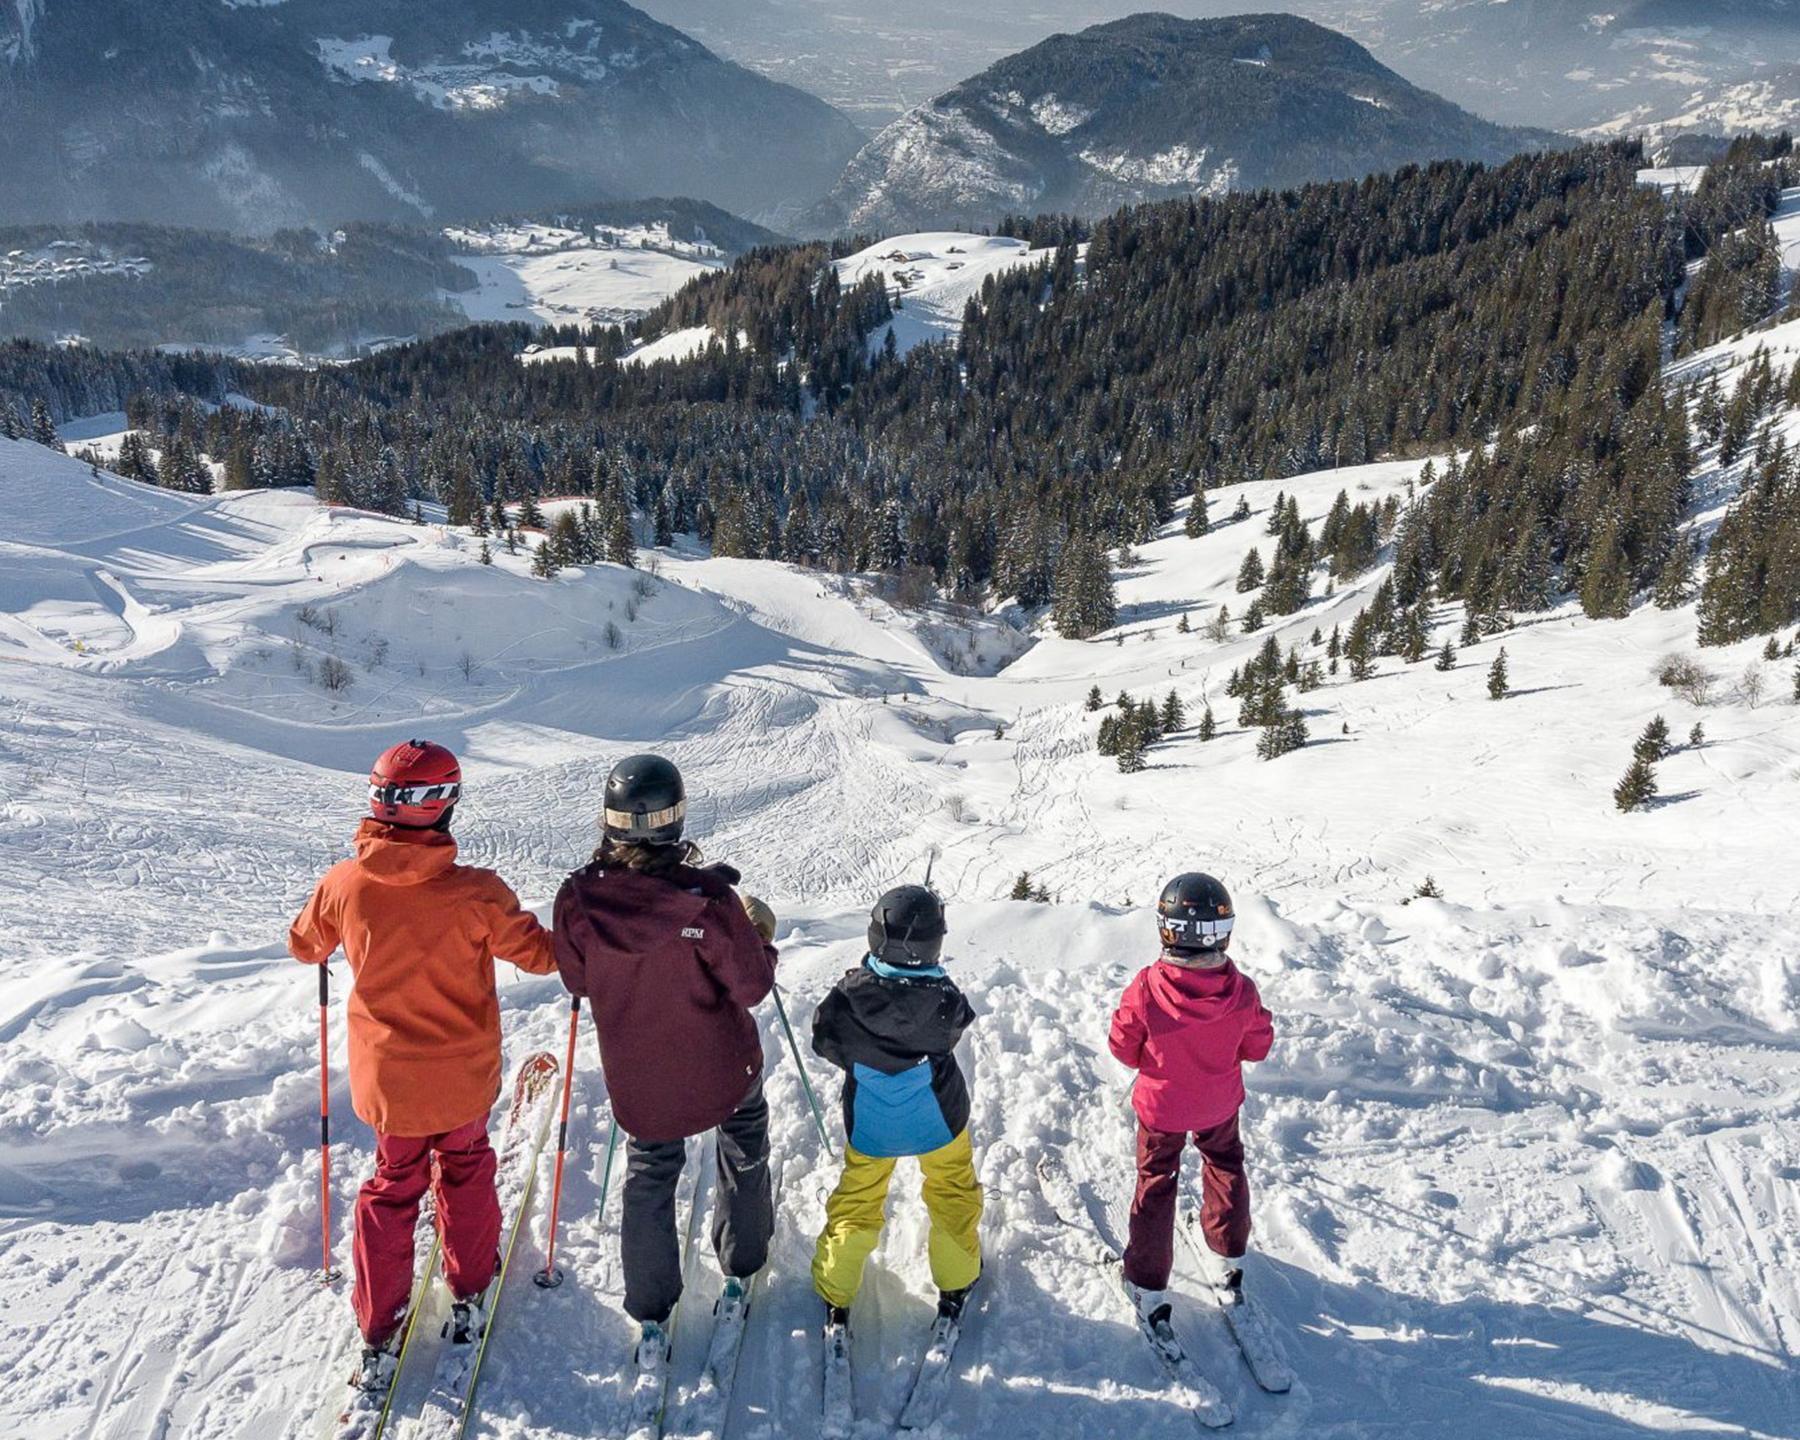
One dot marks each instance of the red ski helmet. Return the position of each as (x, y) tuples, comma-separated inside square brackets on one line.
[(414, 784)]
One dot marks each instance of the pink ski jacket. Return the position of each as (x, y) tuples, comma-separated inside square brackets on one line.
[(1186, 1032)]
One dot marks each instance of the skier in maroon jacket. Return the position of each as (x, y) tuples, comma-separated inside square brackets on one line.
[(671, 962)]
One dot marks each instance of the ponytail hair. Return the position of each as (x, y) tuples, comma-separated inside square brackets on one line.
[(660, 861)]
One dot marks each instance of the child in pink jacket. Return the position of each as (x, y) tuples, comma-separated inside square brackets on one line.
[(1186, 1024)]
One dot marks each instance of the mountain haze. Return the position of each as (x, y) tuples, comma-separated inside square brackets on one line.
[(251, 117), (1151, 107)]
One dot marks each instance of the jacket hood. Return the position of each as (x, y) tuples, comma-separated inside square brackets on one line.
[(402, 857), (1194, 994)]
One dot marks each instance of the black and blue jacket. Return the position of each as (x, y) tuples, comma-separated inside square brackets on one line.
[(892, 1032)]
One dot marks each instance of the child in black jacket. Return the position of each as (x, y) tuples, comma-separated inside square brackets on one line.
[(891, 1025)]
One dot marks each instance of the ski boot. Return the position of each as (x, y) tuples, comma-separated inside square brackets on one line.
[(1228, 1289), (652, 1348), (468, 1320), (731, 1295), (374, 1373), (952, 1302)]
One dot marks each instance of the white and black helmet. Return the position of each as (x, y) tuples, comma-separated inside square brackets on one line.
[(646, 801), (1194, 917)]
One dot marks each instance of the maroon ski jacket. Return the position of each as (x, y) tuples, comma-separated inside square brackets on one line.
[(671, 968)]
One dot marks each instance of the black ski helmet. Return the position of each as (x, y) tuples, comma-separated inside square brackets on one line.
[(907, 928), (1194, 916), (646, 803)]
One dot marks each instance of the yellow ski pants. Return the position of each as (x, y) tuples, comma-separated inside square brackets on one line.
[(857, 1209)]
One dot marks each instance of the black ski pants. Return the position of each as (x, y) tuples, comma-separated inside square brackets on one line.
[(743, 1209)]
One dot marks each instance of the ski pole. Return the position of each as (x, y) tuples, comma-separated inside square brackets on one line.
[(800, 1065), (550, 1277), (327, 1276)]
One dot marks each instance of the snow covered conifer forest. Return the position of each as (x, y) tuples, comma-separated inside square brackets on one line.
[(1419, 555)]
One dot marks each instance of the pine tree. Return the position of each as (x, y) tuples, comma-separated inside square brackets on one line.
[(1637, 788), (1697, 736), (43, 429), (1497, 686), (1174, 714), (1446, 659), (621, 544), (1094, 700), (1182, 627), (1675, 581), (1250, 573), (1286, 735), (1107, 741), (1131, 750), (1209, 727), (1085, 602), (544, 560), (1242, 512), (1253, 618), (1196, 523), (486, 555), (1471, 630), (1021, 889), (1653, 744)]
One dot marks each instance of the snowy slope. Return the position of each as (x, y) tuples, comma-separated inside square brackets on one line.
[(933, 276), (1525, 1157), (555, 275)]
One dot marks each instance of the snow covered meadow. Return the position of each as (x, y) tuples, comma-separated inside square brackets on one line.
[(1526, 1155)]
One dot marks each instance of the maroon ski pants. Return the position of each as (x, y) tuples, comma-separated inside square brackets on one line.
[(1225, 1204), (468, 1221)]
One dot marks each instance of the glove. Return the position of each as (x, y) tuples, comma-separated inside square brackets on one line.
[(761, 916)]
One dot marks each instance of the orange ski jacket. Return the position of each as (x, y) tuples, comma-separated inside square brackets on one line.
[(421, 933)]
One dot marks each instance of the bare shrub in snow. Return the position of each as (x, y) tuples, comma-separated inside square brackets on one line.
[(466, 664), (335, 675), (642, 586), (324, 621), (1687, 677), (1752, 685), (957, 808), (614, 636)]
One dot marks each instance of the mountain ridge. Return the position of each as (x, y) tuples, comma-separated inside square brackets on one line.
[(1152, 107), (318, 112)]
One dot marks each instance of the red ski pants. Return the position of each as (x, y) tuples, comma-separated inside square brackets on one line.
[(1225, 1203), (387, 1210)]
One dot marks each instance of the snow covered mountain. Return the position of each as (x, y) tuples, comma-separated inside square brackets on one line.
[(1565, 64), (1146, 108), (255, 116), (1524, 1155)]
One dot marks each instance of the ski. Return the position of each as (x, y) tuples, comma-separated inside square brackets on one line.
[(837, 1396), (364, 1414), (1244, 1318), (655, 1353), (1198, 1395), (931, 1384), (450, 1402), (709, 1409)]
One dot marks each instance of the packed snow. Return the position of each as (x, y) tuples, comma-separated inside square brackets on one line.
[(1525, 1157)]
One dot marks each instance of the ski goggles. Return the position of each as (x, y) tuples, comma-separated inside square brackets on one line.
[(1200, 934), (415, 794), (629, 822)]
